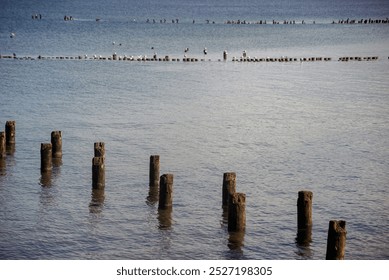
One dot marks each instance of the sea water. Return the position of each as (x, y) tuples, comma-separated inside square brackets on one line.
[(282, 127)]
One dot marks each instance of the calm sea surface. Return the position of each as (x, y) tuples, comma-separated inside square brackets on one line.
[(282, 127)]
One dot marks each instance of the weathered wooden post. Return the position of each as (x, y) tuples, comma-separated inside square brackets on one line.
[(166, 191), (46, 157), (237, 212), (154, 171), (56, 142), (336, 242), (99, 148), (304, 218), (98, 173), (304, 210), (229, 186), (2, 145), (10, 133)]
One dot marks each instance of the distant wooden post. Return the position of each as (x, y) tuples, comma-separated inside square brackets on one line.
[(98, 173), (336, 242), (56, 141), (229, 186), (46, 157), (99, 149), (10, 132), (154, 171), (225, 55), (237, 212), (166, 191), (304, 210), (2, 145)]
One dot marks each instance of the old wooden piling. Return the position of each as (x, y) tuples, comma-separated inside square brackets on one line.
[(2, 145), (229, 186), (10, 132), (304, 210), (166, 191), (98, 173), (99, 149), (336, 242), (46, 157), (225, 55), (56, 142), (154, 171), (237, 212)]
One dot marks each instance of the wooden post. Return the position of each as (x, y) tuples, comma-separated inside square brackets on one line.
[(166, 191), (225, 55), (229, 186), (154, 171), (10, 132), (304, 210), (56, 142), (99, 149), (98, 173), (336, 242), (46, 157), (237, 212), (2, 145)]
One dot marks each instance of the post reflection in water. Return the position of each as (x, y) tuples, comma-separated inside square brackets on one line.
[(165, 218), (303, 241), (3, 170), (235, 241), (153, 196), (46, 179), (97, 201)]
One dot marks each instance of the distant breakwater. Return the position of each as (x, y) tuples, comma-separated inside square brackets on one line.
[(167, 58), (232, 21)]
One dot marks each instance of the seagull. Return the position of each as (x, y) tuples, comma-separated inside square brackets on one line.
[(205, 51), (186, 50), (12, 35)]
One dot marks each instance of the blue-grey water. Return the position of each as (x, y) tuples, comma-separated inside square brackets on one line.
[(282, 127)]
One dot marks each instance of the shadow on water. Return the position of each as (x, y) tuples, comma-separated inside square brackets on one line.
[(303, 242)]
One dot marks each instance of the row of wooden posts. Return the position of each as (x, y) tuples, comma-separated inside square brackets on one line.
[(234, 202)]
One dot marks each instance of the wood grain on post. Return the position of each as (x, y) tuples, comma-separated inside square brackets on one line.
[(336, 242), (304, 210), (10, 132), (99, 148), (166, 191), (229, 186), (237, 212), (46, 157), (56, 141), (2, 145), (98, 172), (154, 171)]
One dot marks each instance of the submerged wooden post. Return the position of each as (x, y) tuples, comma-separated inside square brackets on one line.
[(237, 212), (304, 210), (10, 132), (56, 142), (336, 242), (166, 191), (46, 157), (229, 186), (98, 173), (154, 171), (99, 148), (2, 145)]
